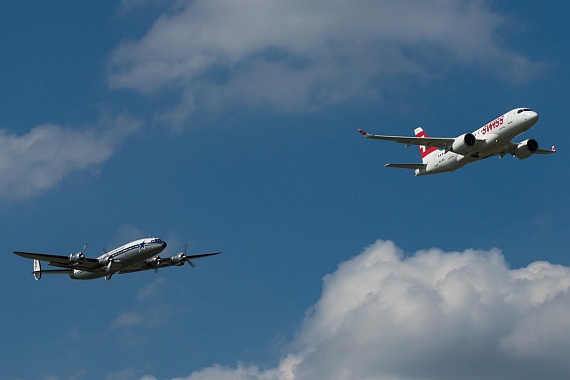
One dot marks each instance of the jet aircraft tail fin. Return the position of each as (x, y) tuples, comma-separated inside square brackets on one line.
[(424, 150)]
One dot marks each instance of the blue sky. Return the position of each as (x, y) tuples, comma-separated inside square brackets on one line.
[(231, 126)]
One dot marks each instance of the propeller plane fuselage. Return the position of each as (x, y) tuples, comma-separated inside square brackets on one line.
[(138, 255)]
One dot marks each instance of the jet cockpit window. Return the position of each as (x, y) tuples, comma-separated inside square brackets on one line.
[(156, 241), (523, 110)]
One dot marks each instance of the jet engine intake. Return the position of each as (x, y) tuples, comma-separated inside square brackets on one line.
[(526, 148), (464, 143)]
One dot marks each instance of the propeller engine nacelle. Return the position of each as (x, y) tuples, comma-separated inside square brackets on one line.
[(464, 143), (179, 259), (526, 148), (76, 258), (154, 262), (104, 261), (107, 262)]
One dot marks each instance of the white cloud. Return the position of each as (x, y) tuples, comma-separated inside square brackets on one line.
[(300, 54), (40, 159), (150, 290), (433, 315), (127, 319)]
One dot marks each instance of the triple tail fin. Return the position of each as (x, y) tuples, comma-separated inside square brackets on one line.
[(424, 151)]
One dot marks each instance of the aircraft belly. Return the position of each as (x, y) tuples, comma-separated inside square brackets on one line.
[(493, 144), (84, 275), (448, 163)]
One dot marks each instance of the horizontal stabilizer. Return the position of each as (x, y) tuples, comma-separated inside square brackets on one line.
[(38, 270), (406, 166), (53, 271), (428, 142)]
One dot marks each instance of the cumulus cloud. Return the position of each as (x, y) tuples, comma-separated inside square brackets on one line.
[(432, 315), (39, 160), (299, 54)]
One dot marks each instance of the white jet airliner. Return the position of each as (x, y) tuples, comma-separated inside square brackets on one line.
[(492, 139), (136, 256)]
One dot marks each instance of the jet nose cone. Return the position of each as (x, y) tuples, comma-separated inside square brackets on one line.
[(163, 244), (532, 116)]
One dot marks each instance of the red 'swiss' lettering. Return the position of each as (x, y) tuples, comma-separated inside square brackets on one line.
[(492, 125)]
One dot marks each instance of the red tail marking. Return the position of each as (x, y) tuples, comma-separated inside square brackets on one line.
[(424, 151)]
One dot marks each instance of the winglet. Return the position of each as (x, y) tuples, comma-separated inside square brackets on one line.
[(553, 149), (365, 134)]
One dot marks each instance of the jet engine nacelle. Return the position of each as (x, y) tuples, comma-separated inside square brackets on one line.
[(526, 148), (464, 143), (76, 258)]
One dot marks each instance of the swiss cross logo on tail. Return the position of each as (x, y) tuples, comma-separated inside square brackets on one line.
[(424, 151)]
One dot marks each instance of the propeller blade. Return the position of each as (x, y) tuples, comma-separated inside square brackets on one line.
[(109, 265)]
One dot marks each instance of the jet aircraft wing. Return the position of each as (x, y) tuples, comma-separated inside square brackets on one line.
[(512, 147), (546, 151), (406, 166), (438, 142), (85, 263)]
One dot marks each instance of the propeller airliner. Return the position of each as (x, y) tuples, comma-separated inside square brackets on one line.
[(440, 155), (136, 256)]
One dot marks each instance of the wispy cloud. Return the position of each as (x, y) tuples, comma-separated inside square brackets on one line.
[(298, 54), (127, 319), (150, 290), (433, 315), (37, 161)]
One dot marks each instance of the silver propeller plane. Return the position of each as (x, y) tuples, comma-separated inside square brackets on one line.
[(136, 256)]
